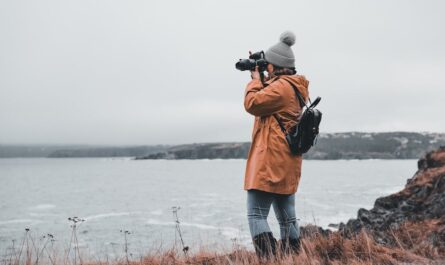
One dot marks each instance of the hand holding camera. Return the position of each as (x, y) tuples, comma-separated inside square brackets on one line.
[(255, 60), (255, 74), (256, 64)]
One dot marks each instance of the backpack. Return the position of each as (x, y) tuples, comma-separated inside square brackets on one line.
[(302, 136)]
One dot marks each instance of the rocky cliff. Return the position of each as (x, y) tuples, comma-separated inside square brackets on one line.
[(420, 205)]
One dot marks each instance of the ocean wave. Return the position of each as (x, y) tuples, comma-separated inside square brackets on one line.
[(44, 214), (17, 221), (158, 222), (106, 215), (227, 231), (156, 212), (44, 206)]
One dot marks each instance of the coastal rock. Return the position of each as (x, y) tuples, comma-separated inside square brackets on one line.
[(422, 200), (203, 151)]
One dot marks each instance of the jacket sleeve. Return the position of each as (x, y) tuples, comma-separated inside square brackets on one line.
[(261, 101)]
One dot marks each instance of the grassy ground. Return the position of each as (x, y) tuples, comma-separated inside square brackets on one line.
[(412, 243)]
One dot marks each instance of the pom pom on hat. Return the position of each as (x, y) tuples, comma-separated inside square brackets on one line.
[(281, 54), (288, 38)]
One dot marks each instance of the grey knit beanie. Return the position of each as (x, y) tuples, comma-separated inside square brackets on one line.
[(281, 53)]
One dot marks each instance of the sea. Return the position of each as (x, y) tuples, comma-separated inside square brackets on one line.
[(136, 207)]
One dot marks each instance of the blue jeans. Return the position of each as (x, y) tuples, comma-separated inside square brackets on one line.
[(258, 206)]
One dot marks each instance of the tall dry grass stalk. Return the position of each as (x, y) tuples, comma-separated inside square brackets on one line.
[(412, 243)]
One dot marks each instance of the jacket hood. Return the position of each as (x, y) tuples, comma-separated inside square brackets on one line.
[(300, 82)]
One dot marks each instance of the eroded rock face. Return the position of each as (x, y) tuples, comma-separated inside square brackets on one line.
[(422, 199)]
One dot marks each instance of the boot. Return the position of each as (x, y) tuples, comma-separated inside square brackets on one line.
[(290, 246), (265, 245)]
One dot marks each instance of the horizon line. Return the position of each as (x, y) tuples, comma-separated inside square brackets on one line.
[(188, 143)]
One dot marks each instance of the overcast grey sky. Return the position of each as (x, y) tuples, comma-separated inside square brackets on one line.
[(162, 72)]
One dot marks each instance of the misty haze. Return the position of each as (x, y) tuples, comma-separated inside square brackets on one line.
[(128, 136)]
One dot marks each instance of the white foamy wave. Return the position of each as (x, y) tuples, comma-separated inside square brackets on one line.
[(156, 212), (158, 222), (200, 226), (228, 232), (384, 191), (106, 215), (392, 190), (43, 206), (44, 214), (16, 221)]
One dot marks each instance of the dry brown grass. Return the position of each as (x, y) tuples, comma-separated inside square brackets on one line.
[(333, 250), (412, 243), (411, 247)]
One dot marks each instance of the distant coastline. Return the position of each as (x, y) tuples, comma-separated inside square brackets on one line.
[(330, 146)]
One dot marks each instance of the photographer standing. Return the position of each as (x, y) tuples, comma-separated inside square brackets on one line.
[(272, 171)]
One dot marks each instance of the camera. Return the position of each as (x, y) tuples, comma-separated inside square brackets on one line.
[(255, 59)]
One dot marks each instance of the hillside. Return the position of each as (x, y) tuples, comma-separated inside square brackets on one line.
[(60, 151), (107, 151), (349, 145)]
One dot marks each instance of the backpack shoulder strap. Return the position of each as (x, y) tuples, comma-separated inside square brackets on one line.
[(300, 100), (279, 123), (297, 93)]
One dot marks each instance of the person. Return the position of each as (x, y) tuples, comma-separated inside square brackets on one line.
[(272, 173)]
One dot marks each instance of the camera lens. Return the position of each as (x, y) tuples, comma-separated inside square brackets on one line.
[(245, 64)]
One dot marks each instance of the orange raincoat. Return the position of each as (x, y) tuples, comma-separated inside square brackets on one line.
[(270, 165)]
